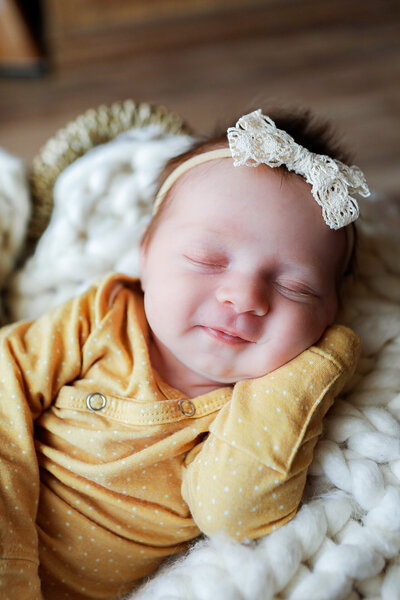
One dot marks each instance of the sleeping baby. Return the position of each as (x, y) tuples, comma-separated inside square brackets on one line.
[(145, 412)]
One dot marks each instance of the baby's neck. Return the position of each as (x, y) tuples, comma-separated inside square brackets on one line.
[(193, 390), (175, 374)]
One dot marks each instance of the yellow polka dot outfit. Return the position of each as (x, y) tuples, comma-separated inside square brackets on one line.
[(105, 469)]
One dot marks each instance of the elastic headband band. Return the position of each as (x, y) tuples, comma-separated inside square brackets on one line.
[(186, 166)]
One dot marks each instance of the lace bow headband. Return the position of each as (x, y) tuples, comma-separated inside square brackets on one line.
[(256, 140)]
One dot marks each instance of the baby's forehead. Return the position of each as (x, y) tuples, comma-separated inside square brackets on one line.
[(223, 173), (224, 181)]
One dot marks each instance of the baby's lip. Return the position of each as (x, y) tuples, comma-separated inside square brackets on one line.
[(229, 335)]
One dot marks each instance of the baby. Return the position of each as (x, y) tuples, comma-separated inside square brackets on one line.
[(143, 413)]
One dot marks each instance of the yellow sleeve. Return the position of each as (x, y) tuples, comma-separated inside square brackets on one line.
[(36, 359), (247, 478)]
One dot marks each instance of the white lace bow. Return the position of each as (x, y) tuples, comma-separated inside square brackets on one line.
[(256, 140)]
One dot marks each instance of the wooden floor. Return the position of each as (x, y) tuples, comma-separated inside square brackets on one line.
[(340, 58)]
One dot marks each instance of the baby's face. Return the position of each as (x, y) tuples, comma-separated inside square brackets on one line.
[(239, 277)]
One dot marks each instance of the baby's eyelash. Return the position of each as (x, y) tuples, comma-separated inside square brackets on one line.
[(203, 262), (296, 292)]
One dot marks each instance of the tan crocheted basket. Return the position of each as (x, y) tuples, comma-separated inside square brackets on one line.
[(94, 127)]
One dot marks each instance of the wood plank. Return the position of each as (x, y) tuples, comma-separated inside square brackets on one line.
[(75, 16), (277, 19)]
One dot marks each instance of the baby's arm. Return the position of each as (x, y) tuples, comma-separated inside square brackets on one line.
[(36, 360), (249, 475)]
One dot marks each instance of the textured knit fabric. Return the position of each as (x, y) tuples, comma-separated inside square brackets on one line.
[(97, 490)]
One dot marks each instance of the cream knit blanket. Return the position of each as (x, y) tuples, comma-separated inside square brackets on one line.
[(344, 542)]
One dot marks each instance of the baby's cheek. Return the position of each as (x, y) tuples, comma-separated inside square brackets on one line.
[(324, 314), (299, 329), (313, 325)]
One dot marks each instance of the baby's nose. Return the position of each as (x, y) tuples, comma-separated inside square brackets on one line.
[(246, 295)]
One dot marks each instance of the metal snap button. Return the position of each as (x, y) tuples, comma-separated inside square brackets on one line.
[(186, 407), (96, 401)]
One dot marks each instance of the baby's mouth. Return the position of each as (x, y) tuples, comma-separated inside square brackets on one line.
[(225, 336)]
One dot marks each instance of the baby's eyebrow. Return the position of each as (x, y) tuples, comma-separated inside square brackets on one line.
[(206, 236), (208, 230), (312, 275)]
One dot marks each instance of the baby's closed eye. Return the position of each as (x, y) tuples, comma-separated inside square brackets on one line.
[(206, 261), (296, 290)]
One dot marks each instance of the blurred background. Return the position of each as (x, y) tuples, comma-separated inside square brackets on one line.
[(206, 59)]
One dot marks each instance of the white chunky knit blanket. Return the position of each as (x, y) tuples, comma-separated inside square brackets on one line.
[(344, 543)]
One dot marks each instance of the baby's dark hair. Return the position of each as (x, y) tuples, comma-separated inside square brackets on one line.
[(316, 135)]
